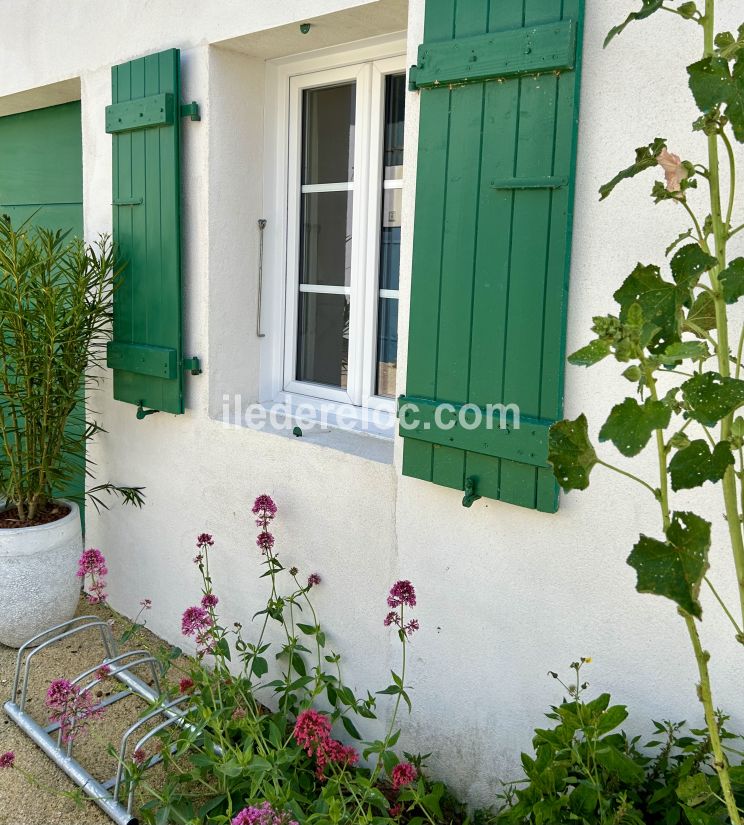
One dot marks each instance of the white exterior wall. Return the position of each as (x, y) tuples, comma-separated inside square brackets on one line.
[(504, 593)]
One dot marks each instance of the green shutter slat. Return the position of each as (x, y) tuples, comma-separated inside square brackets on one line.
[(521, 51), (146, 354), (492, 246)]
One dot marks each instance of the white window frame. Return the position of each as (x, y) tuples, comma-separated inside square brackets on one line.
[(367, 63)]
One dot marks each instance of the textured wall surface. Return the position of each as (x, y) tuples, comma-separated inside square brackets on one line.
[(505, 593)]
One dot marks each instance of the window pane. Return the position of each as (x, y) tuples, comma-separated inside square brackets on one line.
[(395, 103), (387, 345), (323, 338), (388, 276), (325, 238), (328, 134)]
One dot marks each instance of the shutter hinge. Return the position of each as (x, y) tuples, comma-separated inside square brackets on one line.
[(193, 365), (470, 494), (190, 110), (143, 413)]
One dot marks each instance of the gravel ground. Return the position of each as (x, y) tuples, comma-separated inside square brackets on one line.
[(50, 798)]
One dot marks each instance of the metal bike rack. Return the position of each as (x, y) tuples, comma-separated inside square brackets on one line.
[(106, 794)]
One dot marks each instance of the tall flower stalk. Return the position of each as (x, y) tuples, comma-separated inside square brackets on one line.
[(680, 327)]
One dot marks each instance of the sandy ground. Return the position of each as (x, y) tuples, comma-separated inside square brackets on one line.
[(50, 798)]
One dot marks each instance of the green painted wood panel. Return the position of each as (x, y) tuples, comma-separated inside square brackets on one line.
[(41, 180), (146, 204), (491, 256)]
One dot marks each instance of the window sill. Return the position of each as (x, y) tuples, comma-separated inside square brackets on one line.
[(365, 433)]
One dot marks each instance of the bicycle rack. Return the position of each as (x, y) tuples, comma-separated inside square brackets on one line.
[(105, 794)]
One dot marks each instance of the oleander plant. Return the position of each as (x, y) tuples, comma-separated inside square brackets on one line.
[(678, 340)]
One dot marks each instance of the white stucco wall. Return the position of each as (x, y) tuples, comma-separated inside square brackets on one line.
[(505, 593)]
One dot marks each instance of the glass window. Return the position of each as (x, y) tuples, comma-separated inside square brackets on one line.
[(343, 299)]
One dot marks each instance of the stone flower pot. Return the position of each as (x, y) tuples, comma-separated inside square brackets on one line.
[(38, 582)]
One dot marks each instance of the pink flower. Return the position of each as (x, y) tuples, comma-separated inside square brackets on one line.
[(194, 620), (411, 627), (204, 540), (139, 756), (395, 810), (310, 728), (185, 685), (674, 170), (198, 558), (402, 592), (262, 815), (209, 600), (71, 708), (7, 760), (312, 732), (103, 671), (265, 541), (146, 604), (265, 510), (403, 774), (313, 579), (92, 562), (391, 618)]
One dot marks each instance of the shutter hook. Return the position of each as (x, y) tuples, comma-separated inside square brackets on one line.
[(143, 413), (261, 226), (470, 494)]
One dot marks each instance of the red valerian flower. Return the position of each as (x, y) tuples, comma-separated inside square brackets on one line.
[(264, 509), (403, 774), (209, 600), (262, 815), (185, 685), (204, 540), (313, 579), (102, 672), (265, 541), (312, 732), (139, 757), (195, 619), (402, 592), (7, 760), (70, 707)]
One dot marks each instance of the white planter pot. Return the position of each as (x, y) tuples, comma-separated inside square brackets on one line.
[(38, 582)]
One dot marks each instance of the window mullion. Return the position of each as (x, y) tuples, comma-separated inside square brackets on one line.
[(357, 332)]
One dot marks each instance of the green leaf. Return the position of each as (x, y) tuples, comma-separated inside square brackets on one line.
[(674, 568), (709, 82), (694, 790), (618, 763), (590, 354), (630, 424), (714, 85), (702, 314), (649, 7), (571, 454), (689, 263), (645, 159), (683, 236), (611, 718), (659, 300), (728, 46), (350, 728), (732, 281), (696, 464), (710, 397), (680, 350)]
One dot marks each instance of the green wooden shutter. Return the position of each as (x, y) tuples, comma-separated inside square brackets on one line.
[(146, 351), (492, 236)]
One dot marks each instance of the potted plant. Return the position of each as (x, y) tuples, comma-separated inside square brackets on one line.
[(55, 314)]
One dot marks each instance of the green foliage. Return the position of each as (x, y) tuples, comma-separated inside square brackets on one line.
[(674, 568), (55, 315), (246, 696), (645, 159), (586, 771), (571, 453), (675, 339)]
